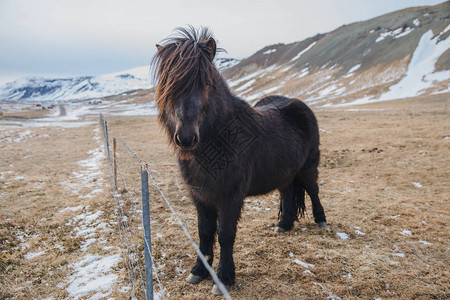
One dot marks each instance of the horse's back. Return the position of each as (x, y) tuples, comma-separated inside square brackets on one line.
[(297, 115), (292, 110), (272, 101)]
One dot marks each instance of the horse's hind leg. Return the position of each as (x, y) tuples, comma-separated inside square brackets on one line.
[(309, 181), (292, 203)]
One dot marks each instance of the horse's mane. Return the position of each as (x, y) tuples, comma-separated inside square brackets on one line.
[(184, 62)]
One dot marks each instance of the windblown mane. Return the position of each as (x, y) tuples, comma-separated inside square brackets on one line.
[(182, 63)]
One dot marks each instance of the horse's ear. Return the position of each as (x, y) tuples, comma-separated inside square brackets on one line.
[(159, 47), (211, 44)]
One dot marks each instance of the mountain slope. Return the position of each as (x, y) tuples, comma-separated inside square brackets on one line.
[(75, 88), (85, 87), (357, 61)]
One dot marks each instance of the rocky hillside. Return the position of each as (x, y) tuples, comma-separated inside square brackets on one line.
[(401, 54), (397, 55)]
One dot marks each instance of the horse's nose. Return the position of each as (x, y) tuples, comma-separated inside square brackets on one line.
[(186, 141)]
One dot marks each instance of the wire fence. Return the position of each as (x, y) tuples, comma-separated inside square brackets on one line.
[(134, 223)]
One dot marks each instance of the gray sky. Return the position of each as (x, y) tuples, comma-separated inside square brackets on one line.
[(91, 37)]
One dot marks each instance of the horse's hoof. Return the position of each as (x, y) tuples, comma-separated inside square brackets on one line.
[(279, 229), (217, 291), (193, 279), (322, 225)]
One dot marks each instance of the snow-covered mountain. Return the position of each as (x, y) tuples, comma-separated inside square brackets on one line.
[(223, 63), (76, 88), (401, 54), (30, 89)]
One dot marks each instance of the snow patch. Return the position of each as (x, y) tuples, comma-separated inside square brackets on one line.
[(269, 51), (419, 75), (91, 275), (74, 208), (342, 235), (354, 68), (425, 242), (400, 254), (397, 33), (32, 255), (406, 232), (303, 264), (417, 184), (303, 51), (330, 294)]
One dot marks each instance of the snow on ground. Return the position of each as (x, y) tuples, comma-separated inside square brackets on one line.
[(419, 75), (397, 33), (236, 82), (425, 242), (303, 51), (417, 184), (352, 70), (329, 293), (406, 232), (305, 71), (73, 115), (342, 235), (22, 135), (246, 85), (31, 255), (301, 263), (269, 51), (93, 274)]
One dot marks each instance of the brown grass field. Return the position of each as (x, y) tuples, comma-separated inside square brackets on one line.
[(384, 179)]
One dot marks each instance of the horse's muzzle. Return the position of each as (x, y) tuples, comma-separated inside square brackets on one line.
[(185, 142)]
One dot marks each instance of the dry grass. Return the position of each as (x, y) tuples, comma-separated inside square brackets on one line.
[(370, 158)]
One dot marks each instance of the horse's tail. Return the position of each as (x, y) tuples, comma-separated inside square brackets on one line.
[(299, 198)]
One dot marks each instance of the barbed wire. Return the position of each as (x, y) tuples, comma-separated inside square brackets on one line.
[(134, 201), (214, 276), (197, 249), (121, 225), (125, 224), (126, 232)]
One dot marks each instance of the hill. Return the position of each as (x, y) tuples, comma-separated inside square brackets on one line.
[(400, 54)]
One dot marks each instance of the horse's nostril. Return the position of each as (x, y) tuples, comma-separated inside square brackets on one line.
[(177, 140), (194, 140), (186, 141)]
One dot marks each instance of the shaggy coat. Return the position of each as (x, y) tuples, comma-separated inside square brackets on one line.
[(229, 150)]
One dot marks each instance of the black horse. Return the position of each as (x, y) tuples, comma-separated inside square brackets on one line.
[(228, 150)]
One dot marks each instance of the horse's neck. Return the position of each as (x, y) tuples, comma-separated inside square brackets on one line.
[(230, 102)]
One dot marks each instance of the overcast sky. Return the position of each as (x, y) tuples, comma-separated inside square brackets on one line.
[(92, 37)]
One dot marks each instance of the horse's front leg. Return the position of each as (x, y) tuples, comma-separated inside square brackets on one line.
[(207, 227), (228, 218)]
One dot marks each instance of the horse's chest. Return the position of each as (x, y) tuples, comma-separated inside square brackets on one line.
[(216, 180)]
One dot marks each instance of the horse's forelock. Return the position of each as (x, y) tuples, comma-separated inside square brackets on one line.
[(181, 64)]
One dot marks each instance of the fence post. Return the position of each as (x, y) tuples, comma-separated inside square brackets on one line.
[(107, 142), (147, 236), (115, 162), (102, 125)]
